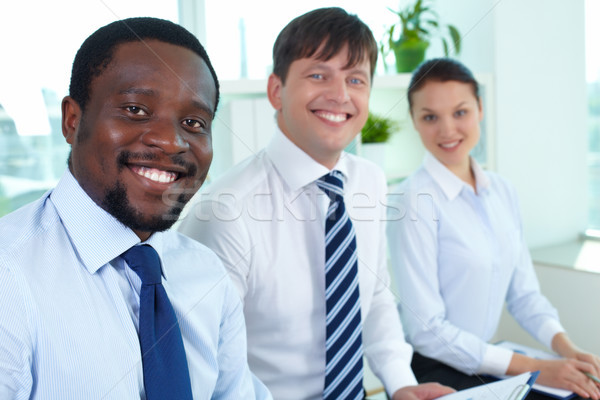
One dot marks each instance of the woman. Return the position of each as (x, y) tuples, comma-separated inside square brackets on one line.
[(458, 251)]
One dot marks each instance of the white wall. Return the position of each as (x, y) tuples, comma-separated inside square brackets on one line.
[(575, 296), (535, 49), (541, 114)]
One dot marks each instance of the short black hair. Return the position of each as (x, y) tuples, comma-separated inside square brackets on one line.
[(440, 70), (331, 28), (96, 52)]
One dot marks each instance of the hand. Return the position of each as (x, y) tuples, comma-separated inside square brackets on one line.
[(589, 358), (425, 391), (568, 374)]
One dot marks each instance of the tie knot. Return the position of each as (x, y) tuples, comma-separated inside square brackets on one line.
[(145, 262), (332, 184)]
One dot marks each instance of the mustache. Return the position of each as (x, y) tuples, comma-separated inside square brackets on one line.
[(127, 157)]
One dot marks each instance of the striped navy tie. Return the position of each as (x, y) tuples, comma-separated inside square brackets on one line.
[(344, 353)]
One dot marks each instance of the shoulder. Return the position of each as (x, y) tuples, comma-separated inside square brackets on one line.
[(177, 246), (228, 192), (364, 173), (22, 230), (419, 182), (243, 178), (226, 198)]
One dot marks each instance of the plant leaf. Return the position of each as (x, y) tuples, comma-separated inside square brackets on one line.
[(445, 43), (455, 35)]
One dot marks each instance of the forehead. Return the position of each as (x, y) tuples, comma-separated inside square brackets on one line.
[(437, 93), (156, 65)]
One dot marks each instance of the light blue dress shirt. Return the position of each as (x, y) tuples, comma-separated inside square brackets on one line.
[(69, 304), (457, 256)]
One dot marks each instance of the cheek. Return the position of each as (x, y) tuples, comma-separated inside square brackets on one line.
[(203, 151), (473, 128), (426, 133)]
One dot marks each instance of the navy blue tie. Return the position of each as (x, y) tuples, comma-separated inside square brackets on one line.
[(166, 374), (344, 353)]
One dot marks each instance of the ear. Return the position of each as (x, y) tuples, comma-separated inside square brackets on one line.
[(71, 116), (274, 87), (480, 104)]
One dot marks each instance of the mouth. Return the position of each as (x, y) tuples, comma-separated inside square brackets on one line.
[(332, 116), (450, 145), (155, 174)]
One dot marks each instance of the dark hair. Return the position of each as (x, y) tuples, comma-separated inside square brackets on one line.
[(331, 28), (440, 70), (96, 52)]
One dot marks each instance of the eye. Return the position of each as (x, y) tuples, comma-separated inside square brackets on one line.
[(429, 118), (316, 76), (136, 110), (460, 113), (193, 124), (356, 81)]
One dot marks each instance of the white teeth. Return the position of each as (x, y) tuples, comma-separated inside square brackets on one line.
[(449, 145), (334, 117), (156, 175)]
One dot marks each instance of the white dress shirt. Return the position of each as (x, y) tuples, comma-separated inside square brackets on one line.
[(266, 220), (457, 257), (69, 306)]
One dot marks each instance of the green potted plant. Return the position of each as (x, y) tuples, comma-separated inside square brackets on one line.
[(374, 134), (418, 24)]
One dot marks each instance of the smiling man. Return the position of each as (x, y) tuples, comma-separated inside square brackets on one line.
[(96, 300), (309, 264)]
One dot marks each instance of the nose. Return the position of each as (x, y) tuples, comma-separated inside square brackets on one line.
[(338, 90), (447, 127), (167, 135)]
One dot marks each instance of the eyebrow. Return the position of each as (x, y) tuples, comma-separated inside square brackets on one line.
[(204, 108), (152, 92), (323, 66), (427, 109), (134, 90)]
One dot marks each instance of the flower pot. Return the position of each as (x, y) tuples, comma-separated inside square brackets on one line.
[(409, 54)]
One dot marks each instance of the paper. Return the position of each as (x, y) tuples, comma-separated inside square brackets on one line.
[(540, 355), (514, 388)]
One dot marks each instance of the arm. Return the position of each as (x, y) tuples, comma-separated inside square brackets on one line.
[(383, 337), (535, 314), (388, 353), (16, 353), (235, 380)]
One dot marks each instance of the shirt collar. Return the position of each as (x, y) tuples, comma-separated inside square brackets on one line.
[(450, 184), (296, 167), (97, 236)]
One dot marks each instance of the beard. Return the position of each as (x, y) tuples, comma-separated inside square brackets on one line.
[(117, 204)]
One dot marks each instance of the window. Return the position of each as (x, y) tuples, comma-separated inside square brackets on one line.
[(241, 47), (37, 51), (592, 35)]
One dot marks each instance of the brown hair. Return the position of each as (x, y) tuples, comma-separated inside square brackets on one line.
[(327, 29)]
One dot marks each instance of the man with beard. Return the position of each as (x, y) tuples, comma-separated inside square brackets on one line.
[(97, 301)]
